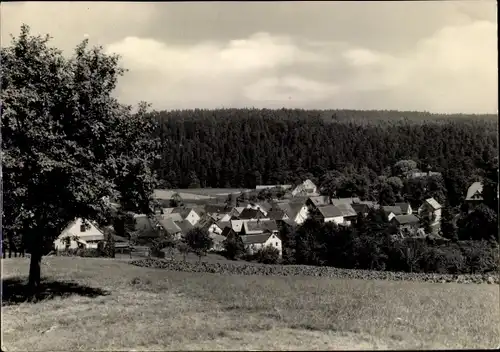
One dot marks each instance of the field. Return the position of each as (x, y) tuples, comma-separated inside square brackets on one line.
[(196, 193), (111, 305)]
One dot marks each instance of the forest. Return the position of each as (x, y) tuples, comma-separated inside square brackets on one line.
[(246, 147)]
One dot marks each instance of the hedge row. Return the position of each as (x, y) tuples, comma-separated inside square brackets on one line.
[(303, 270)]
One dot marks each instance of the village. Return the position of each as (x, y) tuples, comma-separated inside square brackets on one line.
[(224, 212)]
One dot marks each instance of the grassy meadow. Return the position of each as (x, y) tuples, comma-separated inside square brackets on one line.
[(108, 304)]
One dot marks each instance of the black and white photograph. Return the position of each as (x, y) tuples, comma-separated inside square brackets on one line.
[(249, 176)]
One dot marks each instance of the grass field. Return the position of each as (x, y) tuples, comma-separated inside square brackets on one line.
[(112, 305)]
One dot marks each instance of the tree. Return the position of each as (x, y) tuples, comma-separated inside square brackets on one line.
[(267, 255), (425, 223), (480, 224), (403, 167), (199, 241), (448, 226), (175, 200), (194, 181), (67, 143), (233, 245)]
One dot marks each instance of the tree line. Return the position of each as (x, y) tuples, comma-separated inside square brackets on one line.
[(247, 147)]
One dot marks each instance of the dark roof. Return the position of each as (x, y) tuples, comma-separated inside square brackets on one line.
[(320, 200), (184, 225), (253, 239), (217, 208), (224, 224), (205, 221), (291, 208), (360, 208), (347, 210), (276, 214), (336, 201), (227, 231), (266, 206), (184, 212), (404, 206), (392, 209), (260, 226), (289, 222), (169, 225), (330, 211), (251, 214), (406, 219)]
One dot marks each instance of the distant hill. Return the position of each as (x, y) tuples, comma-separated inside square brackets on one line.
[(333, 115)]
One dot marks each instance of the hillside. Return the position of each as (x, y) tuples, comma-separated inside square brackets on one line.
[(243, 148), (112, 305)]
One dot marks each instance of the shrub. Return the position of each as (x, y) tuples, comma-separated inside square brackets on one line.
[(233, 246), (267, 255), (198, 241)]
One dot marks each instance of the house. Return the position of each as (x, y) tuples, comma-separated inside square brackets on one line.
[(391, 211), (79, 234), (236, 225), (253, 243), (329, 213), (228, 231), (305, 188), (337, 201), (475, 193), (208, 223), (348, 213), (361, 208), (405, 208), (432, 209), (223, 224), (251, 214), (185, 226), (170, 226), (259, 227), (183, 214), (278, 214), (236, 211), (296, 211), (143, 223), (317, 201), (408, 224)]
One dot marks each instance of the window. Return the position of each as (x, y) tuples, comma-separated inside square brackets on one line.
[(276, 244), (83, 228)]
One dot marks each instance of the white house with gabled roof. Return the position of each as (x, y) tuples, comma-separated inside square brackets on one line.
[(79, 234)]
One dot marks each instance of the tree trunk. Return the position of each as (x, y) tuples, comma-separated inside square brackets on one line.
[(35, 269)]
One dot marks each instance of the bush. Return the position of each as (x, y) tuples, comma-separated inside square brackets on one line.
[(102, 251), (267, 255)]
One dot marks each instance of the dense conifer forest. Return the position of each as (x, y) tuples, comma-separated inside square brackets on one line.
[(245, 147)]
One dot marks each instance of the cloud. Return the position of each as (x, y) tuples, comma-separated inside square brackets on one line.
[(68, 22), (294, 90), (453, 70), (375, 55), (213, 73)]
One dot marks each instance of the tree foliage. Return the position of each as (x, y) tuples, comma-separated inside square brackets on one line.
[(67, 143), (233, 246), (199, 241)]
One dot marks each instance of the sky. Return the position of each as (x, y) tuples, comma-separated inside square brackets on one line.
[(433, 56)]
